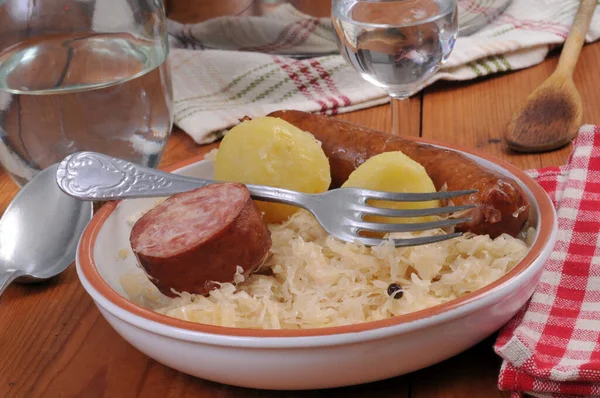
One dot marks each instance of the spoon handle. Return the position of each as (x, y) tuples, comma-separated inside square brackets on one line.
[(581, 24), (6, 277), (94, 176)]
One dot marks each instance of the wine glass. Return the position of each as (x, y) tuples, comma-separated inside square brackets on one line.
[(395, 44), (82, 75)]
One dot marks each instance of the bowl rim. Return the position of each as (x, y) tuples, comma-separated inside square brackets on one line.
[(91, 278)]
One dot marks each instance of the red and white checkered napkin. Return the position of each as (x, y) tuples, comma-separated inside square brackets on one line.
[(551, 348)]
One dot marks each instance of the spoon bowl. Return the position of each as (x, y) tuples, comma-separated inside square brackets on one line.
[(40, 230), (550, 118)]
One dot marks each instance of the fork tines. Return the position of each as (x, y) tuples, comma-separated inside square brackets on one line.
[(407, 227), (422, 240), (410, 196), (366, 209), (432, 211)]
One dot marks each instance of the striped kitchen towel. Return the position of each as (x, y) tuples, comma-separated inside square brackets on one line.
[(551, 348), (253, 75)]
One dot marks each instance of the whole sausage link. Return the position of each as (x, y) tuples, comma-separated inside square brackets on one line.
[(501, 204)]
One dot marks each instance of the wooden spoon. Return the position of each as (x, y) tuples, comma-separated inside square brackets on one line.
[(552, 114)]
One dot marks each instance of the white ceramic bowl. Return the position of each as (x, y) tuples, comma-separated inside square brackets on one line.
[(315, 358)]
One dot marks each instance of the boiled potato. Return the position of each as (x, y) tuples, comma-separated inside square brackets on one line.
[(270, 151), (393, 172)]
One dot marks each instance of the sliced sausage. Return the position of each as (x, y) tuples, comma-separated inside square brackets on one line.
[(196, 238), (501, 204)]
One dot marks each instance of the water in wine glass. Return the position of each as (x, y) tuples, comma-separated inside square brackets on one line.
[(395, 45)]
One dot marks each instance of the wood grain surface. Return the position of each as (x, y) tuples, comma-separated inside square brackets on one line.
[(55, 343)]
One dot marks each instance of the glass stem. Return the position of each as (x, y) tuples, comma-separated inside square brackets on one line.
[(395, 103)]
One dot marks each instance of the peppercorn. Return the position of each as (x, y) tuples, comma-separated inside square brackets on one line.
[(394, 290)]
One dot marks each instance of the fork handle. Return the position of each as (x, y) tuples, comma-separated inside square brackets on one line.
[(94, 176)]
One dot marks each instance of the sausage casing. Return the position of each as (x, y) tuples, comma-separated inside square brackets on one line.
[(501, 205)]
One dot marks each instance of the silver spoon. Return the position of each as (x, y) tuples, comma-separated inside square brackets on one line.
[(39, 231)]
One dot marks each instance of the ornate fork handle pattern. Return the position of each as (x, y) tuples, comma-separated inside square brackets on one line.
[(93, 176)]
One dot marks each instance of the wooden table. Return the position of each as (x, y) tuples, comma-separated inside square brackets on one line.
[(55, 343)]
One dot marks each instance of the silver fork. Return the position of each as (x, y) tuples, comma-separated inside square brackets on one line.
[(93, 176)]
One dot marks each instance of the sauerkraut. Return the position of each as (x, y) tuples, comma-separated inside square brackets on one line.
[(312, 280)]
